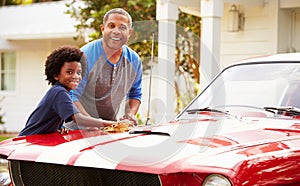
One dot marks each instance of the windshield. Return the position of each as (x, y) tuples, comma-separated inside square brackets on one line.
[(252, 85)]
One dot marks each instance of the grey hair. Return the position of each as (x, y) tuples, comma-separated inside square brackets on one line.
[(117, 11)]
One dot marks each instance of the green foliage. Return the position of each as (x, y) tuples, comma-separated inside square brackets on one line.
[(2, 127), (91, 15), (7, 2), (22, 2), (142, 12)]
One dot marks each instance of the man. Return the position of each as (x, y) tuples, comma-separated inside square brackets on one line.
[(114, 71)]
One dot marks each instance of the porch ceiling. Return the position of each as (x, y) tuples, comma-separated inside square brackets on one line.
[(193, 6)]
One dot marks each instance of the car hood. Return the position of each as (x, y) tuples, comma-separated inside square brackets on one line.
[(181, 146)]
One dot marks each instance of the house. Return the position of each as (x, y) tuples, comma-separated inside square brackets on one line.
[(231, 30), (27, 36)]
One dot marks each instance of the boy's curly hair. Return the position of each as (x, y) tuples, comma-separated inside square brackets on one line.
[(58, 57)]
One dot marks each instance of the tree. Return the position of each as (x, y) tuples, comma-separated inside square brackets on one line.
[(7, 2), (90, 16), (188, 57), (143, 13), (2, 122), (22, 2)]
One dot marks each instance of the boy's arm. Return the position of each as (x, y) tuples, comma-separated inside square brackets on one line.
[(88, 121)]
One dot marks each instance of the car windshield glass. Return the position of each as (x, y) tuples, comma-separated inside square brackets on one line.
[(251, 86)]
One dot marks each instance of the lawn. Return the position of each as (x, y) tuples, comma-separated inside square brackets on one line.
[(4, 136)]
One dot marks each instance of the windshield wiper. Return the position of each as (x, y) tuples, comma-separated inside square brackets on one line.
[(148, 132), (207, 109), (283, 110)]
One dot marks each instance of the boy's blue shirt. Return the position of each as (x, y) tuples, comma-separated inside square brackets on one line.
[(54, 108)]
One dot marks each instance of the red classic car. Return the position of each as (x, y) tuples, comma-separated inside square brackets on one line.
[(242, 130)]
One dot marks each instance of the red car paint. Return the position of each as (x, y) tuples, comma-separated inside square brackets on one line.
[(249, 135)]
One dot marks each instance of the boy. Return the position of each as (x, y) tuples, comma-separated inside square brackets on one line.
[(63, 70)]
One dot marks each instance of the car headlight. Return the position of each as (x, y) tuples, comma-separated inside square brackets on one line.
[(216, 180), (4, 174)]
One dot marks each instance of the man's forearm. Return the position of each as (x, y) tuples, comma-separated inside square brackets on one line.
[(81, 108), (132, 106)]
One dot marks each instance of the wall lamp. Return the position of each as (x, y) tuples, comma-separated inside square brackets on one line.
[(236, 19)]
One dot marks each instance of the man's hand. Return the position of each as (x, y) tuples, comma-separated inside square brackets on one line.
[(130, 117), (131, 108), (63, 130)]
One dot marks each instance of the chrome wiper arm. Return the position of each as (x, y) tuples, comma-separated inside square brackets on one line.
[(207, 109), (148, 132), (280, 110)]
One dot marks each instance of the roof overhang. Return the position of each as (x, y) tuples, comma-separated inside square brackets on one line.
[(36, 21)]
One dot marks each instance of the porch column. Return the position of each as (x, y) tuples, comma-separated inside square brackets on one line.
[(211, 13), (166, 15)]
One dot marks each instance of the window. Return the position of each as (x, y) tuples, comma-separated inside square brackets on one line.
[(8, 71)]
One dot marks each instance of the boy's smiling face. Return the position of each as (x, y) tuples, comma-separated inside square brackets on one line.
[(70, 75)]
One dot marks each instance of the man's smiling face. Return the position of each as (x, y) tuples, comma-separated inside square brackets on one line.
[(116, 31)]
